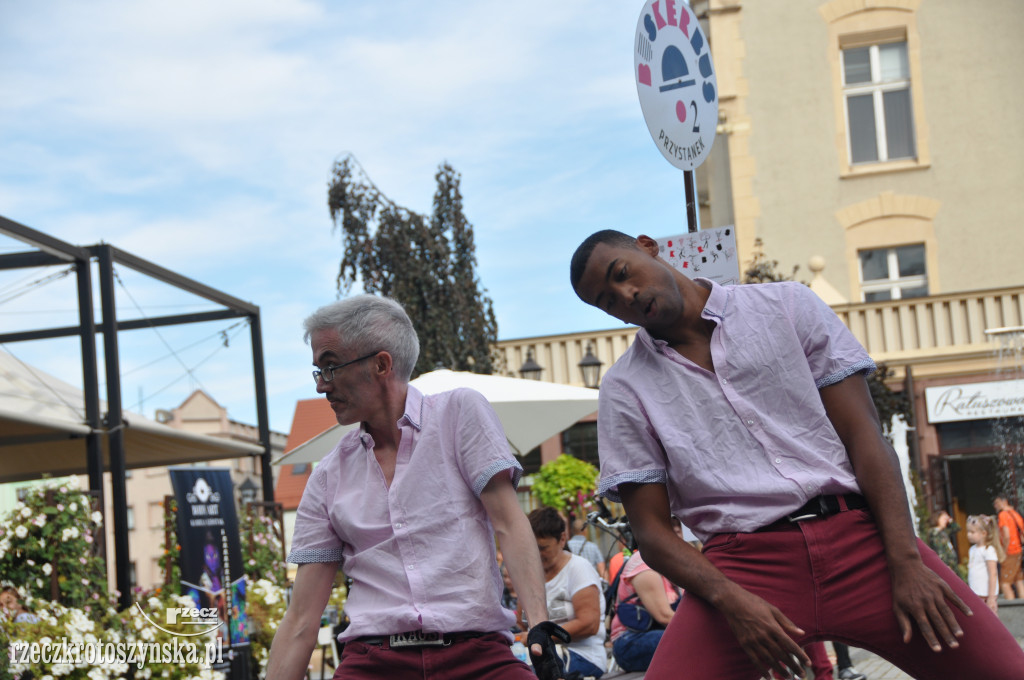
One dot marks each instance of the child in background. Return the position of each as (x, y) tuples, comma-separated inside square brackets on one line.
[(986, 551)]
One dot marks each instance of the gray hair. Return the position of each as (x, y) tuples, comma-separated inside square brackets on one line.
[(368, 323)]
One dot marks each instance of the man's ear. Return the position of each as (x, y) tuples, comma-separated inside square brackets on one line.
[(648, 245), (383, 363)]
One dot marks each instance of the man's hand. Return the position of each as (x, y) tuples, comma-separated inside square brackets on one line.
[(920, 595), (546, 663), (765, 634)]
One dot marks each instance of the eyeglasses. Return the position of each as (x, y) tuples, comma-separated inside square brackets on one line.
[(327, 372)]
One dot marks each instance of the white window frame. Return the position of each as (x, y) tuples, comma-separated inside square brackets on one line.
[(895, 283), (876, 88)]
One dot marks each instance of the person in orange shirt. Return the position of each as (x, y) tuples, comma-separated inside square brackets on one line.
[(1010, 526)]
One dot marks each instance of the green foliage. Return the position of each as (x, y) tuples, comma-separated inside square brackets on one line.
[(171, 547), (427, 264), (564, 483), (762, 270), (53, 534), (888, 402), (261, 547)]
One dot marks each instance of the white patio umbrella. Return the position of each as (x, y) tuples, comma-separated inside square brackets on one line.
[(529, 410)]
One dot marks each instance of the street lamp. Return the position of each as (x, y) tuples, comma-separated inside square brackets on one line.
[(247, 490), (590, 367), (530, 369)]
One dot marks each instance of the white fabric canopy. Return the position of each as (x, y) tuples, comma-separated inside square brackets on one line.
[(529, 410), (43, 429)]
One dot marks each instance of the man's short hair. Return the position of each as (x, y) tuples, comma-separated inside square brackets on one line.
[(582, 255), (547, 523), (370, 323)]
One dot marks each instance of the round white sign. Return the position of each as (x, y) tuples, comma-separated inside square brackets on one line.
[(675, 79)]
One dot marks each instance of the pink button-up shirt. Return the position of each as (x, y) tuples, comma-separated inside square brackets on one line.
[(743, 446), (421, 553)]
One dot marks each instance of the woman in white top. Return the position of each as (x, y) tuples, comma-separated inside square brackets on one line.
[(573, 591)]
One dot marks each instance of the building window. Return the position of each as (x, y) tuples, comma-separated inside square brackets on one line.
[(133, 578), (876, 88), (531, 461), (300, 468), (580, 441), (131, 518), (893, 273)]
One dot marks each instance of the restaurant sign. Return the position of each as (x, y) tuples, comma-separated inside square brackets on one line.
[(975, 401)]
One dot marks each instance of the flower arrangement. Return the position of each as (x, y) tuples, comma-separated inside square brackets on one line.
[(261, 544), (47, 540)]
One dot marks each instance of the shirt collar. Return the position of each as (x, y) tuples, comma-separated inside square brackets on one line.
[(413, 409), (413, 415), (714, 309)]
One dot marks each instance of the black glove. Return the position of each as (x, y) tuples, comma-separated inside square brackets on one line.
[(547, 666)]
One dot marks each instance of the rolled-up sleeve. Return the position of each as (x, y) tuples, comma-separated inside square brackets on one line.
[(832, 351), (627, 445), (483, 449), (314, 538)]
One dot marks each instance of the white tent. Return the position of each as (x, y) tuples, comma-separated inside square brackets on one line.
[(43, 426), (529, 410)]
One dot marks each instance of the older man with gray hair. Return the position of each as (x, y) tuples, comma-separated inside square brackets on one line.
[(408, 505)]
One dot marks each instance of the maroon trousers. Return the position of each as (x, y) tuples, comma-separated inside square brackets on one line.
[(829, 576), (487, 656)]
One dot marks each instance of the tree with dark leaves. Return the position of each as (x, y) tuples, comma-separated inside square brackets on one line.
[(427, 264)]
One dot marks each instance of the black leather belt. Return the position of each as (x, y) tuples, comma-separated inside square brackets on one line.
[(417, 638), (818, 508)]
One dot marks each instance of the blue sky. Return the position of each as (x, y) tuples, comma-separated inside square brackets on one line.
[(200, 135)]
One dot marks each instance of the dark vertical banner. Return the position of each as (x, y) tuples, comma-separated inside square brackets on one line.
[(211, 557)]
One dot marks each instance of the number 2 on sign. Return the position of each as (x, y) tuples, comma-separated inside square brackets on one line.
[(681, 114), (696, 127)]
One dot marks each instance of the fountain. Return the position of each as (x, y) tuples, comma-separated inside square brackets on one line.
[(1008, 430)]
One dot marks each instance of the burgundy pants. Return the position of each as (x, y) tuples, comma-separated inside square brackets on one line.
[(488, 656), (829, 576)]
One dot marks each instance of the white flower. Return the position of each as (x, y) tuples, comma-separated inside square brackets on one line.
[(73, 507), (20, 531), (26, 511), (73, 483), (69, 533), (39, 521), (153, 603), (97, 517), (39, 583), (47, 569), (147, 634)]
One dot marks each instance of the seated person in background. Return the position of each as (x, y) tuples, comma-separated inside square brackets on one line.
[(588, 550), (574, 600), (639, 584), (11, 606)]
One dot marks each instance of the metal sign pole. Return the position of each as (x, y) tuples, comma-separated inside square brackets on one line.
[(692, 213)]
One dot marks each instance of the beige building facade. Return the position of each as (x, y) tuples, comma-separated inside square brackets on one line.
[(877, 144)]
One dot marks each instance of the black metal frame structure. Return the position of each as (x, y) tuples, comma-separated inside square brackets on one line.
[(51, 251)]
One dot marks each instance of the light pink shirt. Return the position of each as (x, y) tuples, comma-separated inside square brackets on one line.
[(421, 554), (749, 443)]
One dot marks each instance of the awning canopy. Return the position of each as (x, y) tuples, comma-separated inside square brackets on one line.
[(529, 410), (43, 429)]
